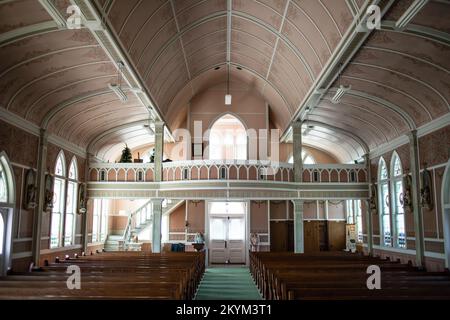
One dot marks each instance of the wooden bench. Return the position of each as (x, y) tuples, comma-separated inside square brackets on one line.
[(115, 275)]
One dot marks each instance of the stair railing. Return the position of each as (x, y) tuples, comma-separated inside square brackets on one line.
[(131, 223)]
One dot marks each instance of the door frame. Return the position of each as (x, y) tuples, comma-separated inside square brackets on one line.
[(247, 228)]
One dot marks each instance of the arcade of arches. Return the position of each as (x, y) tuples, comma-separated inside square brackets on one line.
[(115, 136)]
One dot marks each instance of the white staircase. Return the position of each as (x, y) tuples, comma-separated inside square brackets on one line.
[(114, 242), (136, 224)]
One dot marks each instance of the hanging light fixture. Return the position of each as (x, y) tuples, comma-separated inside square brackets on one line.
[(341, 90), (228, 95), (117, 87)]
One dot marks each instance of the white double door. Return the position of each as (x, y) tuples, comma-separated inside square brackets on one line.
[(227, 239)]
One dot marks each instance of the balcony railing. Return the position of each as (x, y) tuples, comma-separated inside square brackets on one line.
[(227, 170)]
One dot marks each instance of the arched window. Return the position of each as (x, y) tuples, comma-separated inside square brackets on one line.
[(7, 203), (306, 157), (383, 185), (3, 185), (58, 201), (71, 205), (2, 233), (399, 214), (228, 139)]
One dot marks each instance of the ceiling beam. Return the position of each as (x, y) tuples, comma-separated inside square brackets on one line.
[(275, 47), (99, 26), (26, 31), (349, 45), (229, 16), (410, 13), (175, 18)]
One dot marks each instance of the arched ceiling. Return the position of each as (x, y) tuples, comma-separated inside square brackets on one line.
[(281, 45), (58, 78)]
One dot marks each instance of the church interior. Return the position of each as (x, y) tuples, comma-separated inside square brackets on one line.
[(224, 149)]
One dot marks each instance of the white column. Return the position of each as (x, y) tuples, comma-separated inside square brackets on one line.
[(156, 228), (369, 227), (415, 191), (37, 220), (326, 209), (298, 226), (297, 151), (159, 150)]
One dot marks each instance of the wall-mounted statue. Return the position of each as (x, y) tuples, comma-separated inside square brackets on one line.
[(29, 199), (48, 194), (405, 196), (82, 199), (373, 199), (426, 192)]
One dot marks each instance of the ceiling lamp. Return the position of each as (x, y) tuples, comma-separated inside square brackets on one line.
[(228, 95), (117, 88), (341, 90), (340, 93)]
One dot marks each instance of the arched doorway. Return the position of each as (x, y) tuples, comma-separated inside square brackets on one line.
[(228, 139), (7, 199), (445, 195)]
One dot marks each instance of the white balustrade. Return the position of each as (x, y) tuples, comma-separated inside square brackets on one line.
[(246, 170)]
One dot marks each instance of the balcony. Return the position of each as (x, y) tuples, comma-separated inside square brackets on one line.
[(207, 179), (227, 170)]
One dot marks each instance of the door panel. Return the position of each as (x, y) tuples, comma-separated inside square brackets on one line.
[(336, 235), (312, 241), (227, 244)]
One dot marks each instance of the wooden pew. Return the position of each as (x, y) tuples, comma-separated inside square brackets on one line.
[(341, 276), (117, 275)]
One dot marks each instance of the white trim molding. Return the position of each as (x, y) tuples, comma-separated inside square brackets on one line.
[(427, 128)]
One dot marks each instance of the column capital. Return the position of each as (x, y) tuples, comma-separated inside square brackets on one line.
[(297, 202), (297, 124), (159, 124), (412, 135)]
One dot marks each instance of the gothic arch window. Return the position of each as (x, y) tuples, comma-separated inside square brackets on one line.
[(2, 233), (397, 193), (58, 201), (7, 203), (228, 139), (306, 157), (383, 191), (71, 204)]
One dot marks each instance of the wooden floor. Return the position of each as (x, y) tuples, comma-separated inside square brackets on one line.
[(341, 276), (118, 275)]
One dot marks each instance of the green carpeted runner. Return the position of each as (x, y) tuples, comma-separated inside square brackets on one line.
[(227, 284)]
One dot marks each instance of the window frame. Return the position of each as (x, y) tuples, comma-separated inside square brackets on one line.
[(383, 181), (396, 205), (57, 237), (71, 212)]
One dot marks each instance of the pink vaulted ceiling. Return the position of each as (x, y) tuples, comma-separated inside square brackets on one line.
[(397, 78), (58, 78), (281, 45)]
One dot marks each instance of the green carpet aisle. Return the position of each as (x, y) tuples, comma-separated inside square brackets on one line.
[(227, 284)]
